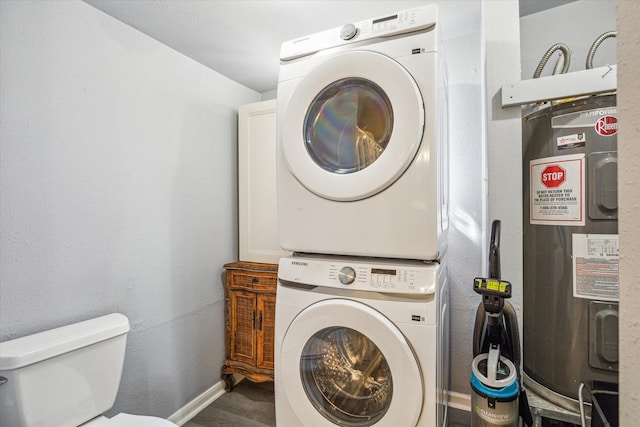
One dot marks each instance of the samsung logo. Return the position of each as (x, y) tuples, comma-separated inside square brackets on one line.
[(301, 263), (300, 40)]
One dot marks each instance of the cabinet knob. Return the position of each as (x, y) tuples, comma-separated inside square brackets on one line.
[(255, 280)]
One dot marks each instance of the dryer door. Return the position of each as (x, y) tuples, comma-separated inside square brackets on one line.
[(352, 125), (348, 365)]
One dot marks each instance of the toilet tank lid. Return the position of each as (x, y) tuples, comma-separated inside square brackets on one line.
[(35, 348)]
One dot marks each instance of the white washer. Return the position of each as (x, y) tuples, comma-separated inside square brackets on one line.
[(361, 145), (361, 342)]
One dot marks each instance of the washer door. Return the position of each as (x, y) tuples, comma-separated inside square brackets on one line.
[(352, 126), (348, 365)]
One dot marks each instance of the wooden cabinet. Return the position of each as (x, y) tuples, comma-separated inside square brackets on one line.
[(250, 298)]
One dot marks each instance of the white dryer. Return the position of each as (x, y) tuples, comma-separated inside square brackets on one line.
[(362, 140), (361, 343)]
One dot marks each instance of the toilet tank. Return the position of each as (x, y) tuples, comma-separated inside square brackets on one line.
[(64, 376)]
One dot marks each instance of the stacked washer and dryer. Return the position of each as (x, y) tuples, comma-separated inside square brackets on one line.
[(362, 305)]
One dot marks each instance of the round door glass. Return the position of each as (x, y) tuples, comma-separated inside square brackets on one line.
[(346, 377), (348, 125)]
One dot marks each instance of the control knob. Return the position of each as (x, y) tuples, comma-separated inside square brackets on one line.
[(348, 32), (347, 275)]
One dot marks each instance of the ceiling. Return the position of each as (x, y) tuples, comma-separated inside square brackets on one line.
[(241, 39)]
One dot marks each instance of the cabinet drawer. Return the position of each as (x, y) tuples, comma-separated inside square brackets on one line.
[(252, 281)]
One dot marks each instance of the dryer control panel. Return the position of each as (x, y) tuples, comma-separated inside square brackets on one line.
[(401, 277), (407, 21)]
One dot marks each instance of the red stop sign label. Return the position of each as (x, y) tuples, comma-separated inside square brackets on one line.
[(553, 176)]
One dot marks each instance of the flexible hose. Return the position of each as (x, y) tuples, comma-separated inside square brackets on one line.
[(510, 320), (511, 325), (478, 330), (565, 54), (596, 44)]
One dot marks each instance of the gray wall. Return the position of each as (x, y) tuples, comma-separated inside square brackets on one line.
[(118, 190)]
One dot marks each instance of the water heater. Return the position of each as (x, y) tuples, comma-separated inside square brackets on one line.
[(570, 277)]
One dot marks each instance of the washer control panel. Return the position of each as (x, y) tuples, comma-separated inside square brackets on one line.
[(405, 22), (406, 277)]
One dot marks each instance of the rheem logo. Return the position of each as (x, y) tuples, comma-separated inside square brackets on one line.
[(607, 125), (553, 176)]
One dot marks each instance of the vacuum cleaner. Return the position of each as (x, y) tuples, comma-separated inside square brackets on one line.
[(497, 397)]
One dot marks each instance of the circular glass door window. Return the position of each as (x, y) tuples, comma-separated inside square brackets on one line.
[(346, 377), (348, 125)]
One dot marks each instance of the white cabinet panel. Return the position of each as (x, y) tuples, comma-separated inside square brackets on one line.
[(257, 201)]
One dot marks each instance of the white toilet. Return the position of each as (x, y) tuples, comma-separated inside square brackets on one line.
[(67, 377)]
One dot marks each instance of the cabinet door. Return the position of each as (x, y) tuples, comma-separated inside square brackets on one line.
[(243, 319), (266, 330), (257, 207)]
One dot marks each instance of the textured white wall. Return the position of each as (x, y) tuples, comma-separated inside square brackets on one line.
[(503, 139), (117, 181), (468, 196), (628, 17)]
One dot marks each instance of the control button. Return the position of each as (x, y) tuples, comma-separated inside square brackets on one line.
[(347, 275), (348, 32)]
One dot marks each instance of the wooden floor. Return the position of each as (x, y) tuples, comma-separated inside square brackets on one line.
[(248, 405)]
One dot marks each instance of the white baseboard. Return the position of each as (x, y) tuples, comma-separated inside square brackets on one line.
[(191, 409), (460, 401)]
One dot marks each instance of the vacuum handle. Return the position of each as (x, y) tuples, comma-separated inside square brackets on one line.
[(494, 250)]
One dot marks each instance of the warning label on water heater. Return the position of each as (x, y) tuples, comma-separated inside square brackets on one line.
[(556, 187), (595, 266)]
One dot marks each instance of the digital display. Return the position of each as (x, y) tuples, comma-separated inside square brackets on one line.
[(383, 271), (388, 18)]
